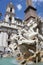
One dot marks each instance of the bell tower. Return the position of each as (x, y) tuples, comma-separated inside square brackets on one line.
[(10, 13), (30, 12)]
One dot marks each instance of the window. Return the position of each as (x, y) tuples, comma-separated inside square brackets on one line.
[(9, 43), (10, 18), (10, 9), (9, 38)]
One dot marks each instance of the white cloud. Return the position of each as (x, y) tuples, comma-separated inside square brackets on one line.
[(37, 0), (19, 6)]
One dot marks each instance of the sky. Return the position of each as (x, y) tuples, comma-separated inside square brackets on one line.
[(20, 6)]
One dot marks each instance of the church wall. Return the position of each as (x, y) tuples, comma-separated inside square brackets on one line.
[(3, 39), (13, 19), (7, 18), (8, 9), (13, 10)]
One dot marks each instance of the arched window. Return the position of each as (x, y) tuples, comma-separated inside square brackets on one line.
[(9, 38), (10, 18), (10, 9)]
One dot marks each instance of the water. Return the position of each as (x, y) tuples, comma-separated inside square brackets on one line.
[(12, 61), (8, 61)]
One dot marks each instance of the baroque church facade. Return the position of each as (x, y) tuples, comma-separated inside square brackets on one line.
[(27, 34)]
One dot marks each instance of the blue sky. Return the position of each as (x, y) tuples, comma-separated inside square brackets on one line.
[(20, 6)]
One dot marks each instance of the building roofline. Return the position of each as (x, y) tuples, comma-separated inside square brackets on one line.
[(18, 19), (30, 7)]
